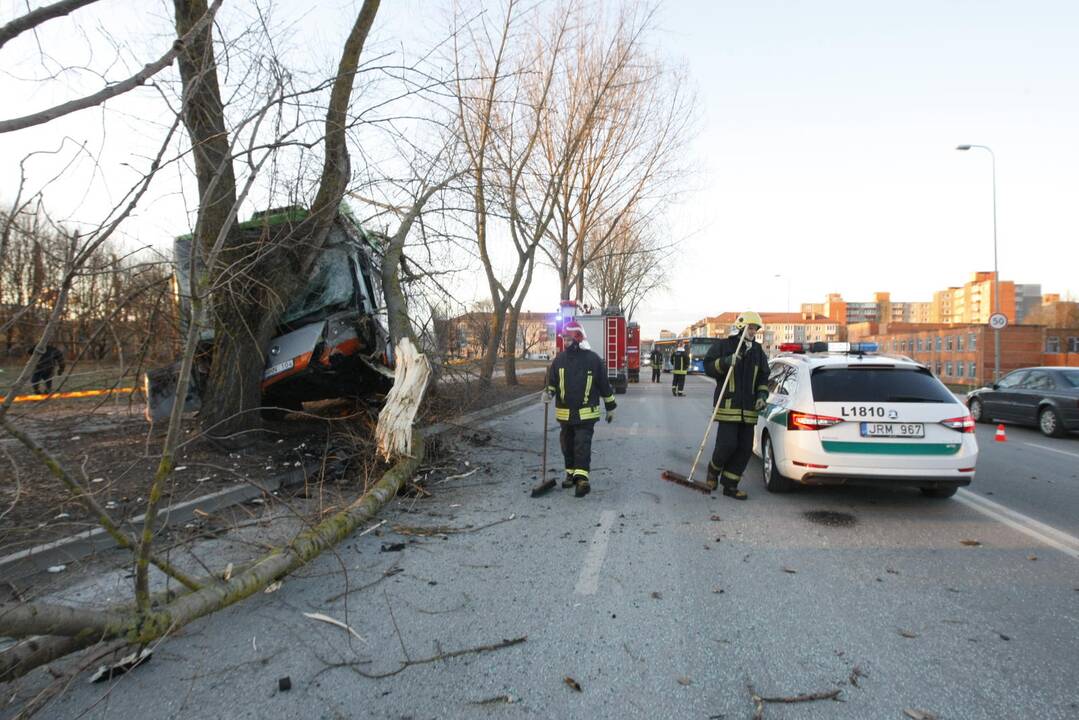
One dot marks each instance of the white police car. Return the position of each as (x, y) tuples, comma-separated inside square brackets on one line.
[(840, 413)]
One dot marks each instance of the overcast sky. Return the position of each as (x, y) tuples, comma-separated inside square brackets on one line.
[(826, 151)]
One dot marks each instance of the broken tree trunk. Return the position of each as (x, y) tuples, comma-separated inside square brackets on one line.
[(411, 373), (23, 620)]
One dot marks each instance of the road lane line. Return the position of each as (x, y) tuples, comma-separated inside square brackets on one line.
[(1046, 447), (633, 430), (588, 581), (1045, 534)]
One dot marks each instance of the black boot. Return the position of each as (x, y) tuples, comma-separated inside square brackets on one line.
[(732, 491), (569, 481), (712, 479), (582, 488)]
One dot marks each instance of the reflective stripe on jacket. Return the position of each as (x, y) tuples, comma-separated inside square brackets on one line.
[(749, 381), (578, 379)]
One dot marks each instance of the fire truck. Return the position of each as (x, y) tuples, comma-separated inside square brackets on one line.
[(606, 333), (633, 352)]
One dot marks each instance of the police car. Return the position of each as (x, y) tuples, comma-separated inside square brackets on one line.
[(840, 413)]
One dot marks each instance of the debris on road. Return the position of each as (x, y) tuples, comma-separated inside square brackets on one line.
[(273, 587), (572, 683), (392, 547), (908, 634), (684, 681), (284, 684), (329, 620), (124, 665), (855, 674), (496, 700), (759, 701), (970, 543), (915, 714), (789, 571)]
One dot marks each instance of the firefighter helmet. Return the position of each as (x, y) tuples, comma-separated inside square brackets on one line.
[(572, 330), (748, 318)]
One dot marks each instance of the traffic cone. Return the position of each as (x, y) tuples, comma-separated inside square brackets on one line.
[(1000, 436)]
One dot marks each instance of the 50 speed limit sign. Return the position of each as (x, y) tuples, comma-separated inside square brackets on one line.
[(998, 321)]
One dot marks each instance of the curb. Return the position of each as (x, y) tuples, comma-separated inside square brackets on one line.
[(75, 547)]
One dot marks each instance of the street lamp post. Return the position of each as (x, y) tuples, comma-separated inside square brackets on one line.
[(996, 273), (787, 278)]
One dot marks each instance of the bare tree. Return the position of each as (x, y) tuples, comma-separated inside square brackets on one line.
[(246, 312), (632, 161), (631, 267)]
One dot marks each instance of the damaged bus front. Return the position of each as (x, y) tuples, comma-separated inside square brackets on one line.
[(331, 340)]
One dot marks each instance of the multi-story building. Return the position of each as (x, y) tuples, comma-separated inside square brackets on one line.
[(881, 309), (963, 354), (779, 328), (974, 301), (466, 336), (1028, 296)]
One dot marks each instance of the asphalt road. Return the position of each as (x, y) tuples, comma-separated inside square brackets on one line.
[(658, 601)]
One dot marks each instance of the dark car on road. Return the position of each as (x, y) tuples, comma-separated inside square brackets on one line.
[(1047, 397)]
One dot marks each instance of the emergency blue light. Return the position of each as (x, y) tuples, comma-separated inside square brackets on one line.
[(865, 347)]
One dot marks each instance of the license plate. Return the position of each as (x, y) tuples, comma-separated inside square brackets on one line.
[(893, 430), (278, 369)]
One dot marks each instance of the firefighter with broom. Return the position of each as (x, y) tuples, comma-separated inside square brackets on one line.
[(743, 398), (577, 381)]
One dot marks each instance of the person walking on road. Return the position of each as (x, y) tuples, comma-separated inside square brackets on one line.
[(577, 380), (656, 358), (680, 366), (744, 398), (51, 363)]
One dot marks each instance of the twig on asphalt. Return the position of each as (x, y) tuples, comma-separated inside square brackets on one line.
[(759, 701), (429, 530), (443, 656), (473, 471), (392, 570)]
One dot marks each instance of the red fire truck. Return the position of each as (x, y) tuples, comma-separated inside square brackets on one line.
[(606, 332)]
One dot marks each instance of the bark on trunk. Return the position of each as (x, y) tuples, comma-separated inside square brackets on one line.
[(490, 353)]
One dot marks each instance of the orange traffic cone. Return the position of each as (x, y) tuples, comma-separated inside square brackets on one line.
[(1000, 436)]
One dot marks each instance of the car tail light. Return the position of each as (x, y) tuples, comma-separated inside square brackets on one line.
[(963, 424), (810, 465), (806, 421)]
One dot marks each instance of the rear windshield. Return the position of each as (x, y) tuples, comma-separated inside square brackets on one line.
[(1071, 377), (865, 384)]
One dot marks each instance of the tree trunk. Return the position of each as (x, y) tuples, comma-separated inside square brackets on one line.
[(244, 315), (512, 324), (494, 341)]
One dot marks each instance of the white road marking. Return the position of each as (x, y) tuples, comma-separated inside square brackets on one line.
[(1062, 541), (588, 581), (633, 430), (1050, 449)]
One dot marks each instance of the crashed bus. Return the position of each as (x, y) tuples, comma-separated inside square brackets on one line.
[(331, 341)]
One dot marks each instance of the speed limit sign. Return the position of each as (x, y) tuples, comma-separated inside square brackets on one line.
[(998, 321)]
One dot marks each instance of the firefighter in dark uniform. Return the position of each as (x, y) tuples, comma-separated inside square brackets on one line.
[(577, 380), (49, 364), (656, 358), (745, 397), (680, 366)]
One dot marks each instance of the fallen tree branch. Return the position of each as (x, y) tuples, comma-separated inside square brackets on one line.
[(45, 619)]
